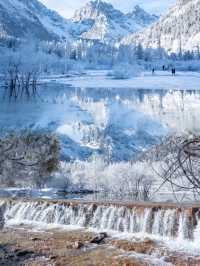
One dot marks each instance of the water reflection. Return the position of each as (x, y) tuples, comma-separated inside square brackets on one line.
[(115, 122)]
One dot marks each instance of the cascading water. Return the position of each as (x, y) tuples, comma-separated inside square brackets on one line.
[(170, 222)]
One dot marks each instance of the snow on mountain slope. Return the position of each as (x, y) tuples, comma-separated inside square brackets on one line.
[(142, 17), (101, 21), (177, 31), (96, 21), (31, 19)]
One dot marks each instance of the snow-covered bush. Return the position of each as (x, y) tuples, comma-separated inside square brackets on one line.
[(32, 57), (124, 179), (125, 71)]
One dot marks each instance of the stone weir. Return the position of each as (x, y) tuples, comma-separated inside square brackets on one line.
[(164, 220)]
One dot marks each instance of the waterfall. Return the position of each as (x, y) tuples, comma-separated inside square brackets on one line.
[(170, 222)]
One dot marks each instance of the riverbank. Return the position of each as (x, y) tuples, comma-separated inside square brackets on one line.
[(161, 80), (177, 227), (28, 247)]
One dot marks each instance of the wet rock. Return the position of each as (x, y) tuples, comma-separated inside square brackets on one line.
[(78, 245), (147, 241), (144, 247), (35, 239), (24, 253), (99, 239)]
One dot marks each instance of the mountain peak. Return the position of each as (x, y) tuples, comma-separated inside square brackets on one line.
[(97, 20), (140, 15), (137, 8), (94, 9), (108, 23)]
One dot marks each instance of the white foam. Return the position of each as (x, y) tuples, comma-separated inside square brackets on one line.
[(166, 225)]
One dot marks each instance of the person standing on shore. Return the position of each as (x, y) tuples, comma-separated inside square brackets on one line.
[(173, 71)]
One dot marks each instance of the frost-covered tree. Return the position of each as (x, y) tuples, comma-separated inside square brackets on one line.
[(139, 52)]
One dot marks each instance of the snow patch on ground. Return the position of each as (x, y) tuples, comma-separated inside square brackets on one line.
[(161, 80)]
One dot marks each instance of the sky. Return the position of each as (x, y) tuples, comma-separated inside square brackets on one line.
[(67, 7)]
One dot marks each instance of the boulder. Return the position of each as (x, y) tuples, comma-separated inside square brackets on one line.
[(78, 245), (99, 238)]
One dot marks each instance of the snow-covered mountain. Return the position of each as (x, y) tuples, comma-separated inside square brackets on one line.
[(97, 21), (177, 31), (141, 17), (31, 19), (101, 21)]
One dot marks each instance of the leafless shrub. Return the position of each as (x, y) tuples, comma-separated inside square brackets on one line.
[(179, 160), (182, 168), (28, 159), (137, 189), (20, 83), (142, 189)]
